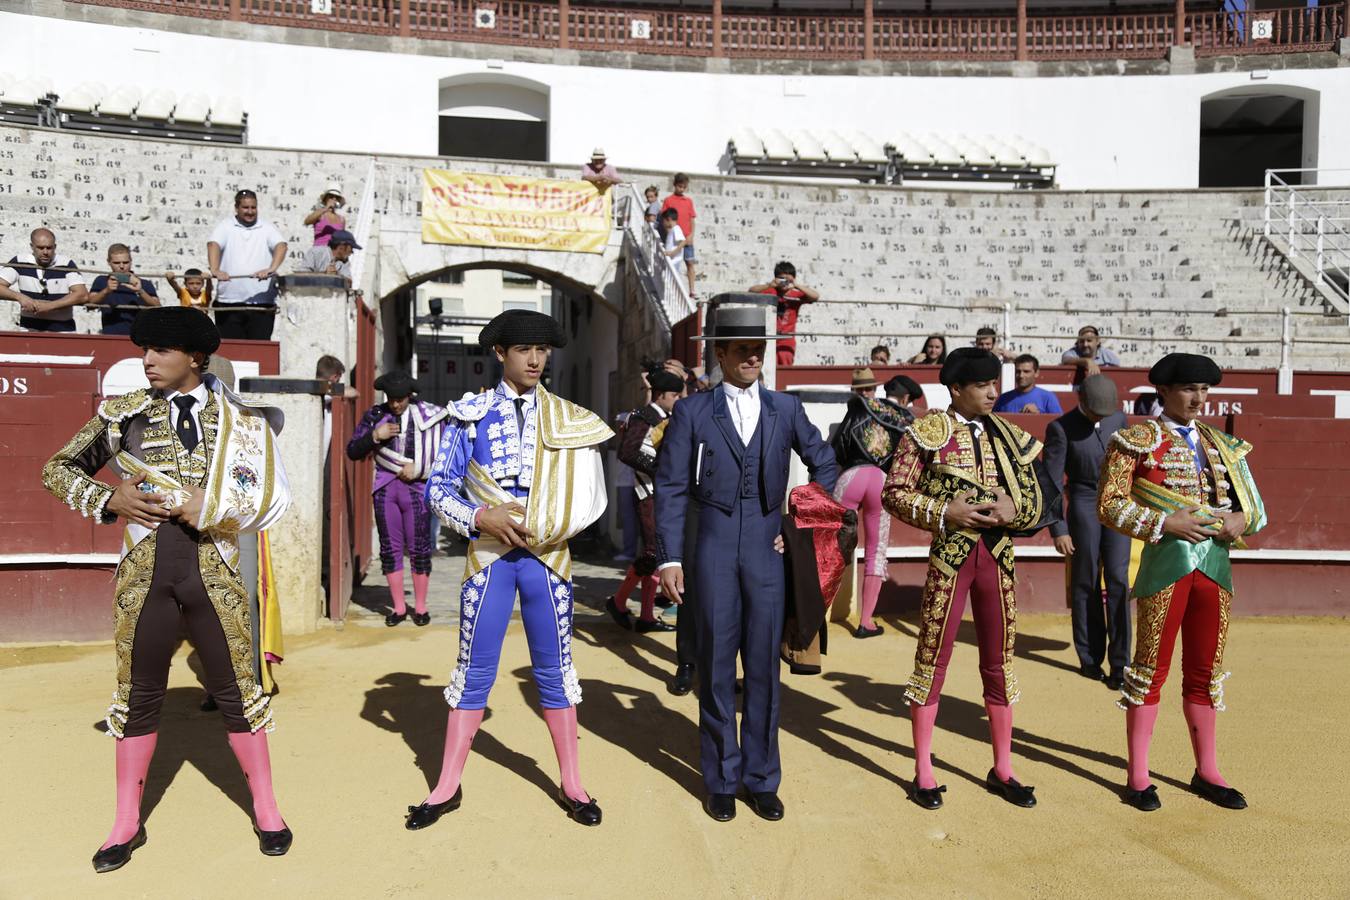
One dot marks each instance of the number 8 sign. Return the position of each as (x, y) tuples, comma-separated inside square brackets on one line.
[(1263, 29)]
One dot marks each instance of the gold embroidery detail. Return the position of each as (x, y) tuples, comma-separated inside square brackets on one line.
[(1148, 629), (933, 431)]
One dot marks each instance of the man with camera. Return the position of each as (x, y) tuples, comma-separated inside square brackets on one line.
[(791, 295), (121, 293)]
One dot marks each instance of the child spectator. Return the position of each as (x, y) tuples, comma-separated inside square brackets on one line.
[(674, 242), (653, 209), (195, 289), (684, 206)]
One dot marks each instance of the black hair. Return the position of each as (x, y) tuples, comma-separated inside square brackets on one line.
[(986, 331), (883, 348), (671, 213), (680, 178), (785, 268), (192, 273), (243, 195), (1028, 358)]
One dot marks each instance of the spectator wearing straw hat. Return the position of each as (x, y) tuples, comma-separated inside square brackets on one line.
[(325, 216), (600, 172)]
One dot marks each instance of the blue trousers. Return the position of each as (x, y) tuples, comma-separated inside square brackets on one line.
[(741, 588), (486, 602)]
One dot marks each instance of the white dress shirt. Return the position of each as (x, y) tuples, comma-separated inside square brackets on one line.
[(530, 397), (201, 393), (743, 404), (977, 422)]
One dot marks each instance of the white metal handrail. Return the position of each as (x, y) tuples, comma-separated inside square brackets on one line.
[(1312, 226), (671, 290)]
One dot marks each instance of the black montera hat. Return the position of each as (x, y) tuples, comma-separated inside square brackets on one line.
[(966, 365), (1185, 368), (176, 328), (397, 385), (521, 326)]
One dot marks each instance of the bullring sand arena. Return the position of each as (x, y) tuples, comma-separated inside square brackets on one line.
[(361, 721)]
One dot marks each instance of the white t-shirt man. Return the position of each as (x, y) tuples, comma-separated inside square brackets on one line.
[(245, 249)]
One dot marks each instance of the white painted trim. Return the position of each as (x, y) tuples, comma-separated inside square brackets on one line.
[(917, 554), (45, 358), (72, 559)]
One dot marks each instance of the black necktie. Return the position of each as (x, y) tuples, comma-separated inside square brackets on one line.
[(187, 426), (520, 416), (979, 458)]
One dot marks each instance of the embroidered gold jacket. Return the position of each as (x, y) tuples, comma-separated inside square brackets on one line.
[(937, 461)]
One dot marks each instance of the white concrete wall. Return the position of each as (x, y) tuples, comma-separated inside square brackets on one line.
[(1123, 132)]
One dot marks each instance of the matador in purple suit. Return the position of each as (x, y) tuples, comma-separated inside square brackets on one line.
[(402, 433)]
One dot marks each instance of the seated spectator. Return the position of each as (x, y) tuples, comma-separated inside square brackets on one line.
[(934, 352), (195, 290), (1088, 354), (987, 339), (599, 172), (44, 291), (334, 258), (792, 293), (124, 291), (881, 355), (1026, 397), (904, 392), (652, 212), (325, 216)]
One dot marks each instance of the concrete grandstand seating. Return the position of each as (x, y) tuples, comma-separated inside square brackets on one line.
[(1154, 270)]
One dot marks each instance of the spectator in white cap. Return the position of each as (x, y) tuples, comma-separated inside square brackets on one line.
[(333, 259), (325, 216), (599, 172)]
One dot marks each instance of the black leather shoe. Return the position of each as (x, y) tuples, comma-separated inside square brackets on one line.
[(928, 798), (766, 805), (1115, 682), (420, 619), (587, 813), (862, 632), (1145, 800), (1011, 790), (209, 704), (1093, 673), (273, 843), (644, 626), (395, 619), (683, 682), (425, 814), (118, 855), (722, 807), (1227, 797), (621, 617)]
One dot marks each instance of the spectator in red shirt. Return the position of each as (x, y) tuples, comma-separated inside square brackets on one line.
[(684, 206), (791, 295)]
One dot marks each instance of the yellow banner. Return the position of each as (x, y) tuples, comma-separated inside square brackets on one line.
[(510, 211)]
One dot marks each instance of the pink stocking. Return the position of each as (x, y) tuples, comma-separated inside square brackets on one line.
[(251, 751), (871, 591), (460, 727), (921, 720), (421, 584), (1000, 735), (562, 725), (395, 580), (1201, 720), (133, 761), (1138, 735), (630, 581), (649, 585)]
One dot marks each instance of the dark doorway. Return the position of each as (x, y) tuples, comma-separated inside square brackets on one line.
[(494, 138), (1241, 137)]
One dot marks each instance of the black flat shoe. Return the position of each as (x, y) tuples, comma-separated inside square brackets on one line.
[(395, 619), (928, 798), (766, 805), (118, 855), (274, 843), (1227, 797), (1115, 682), (721, 807), (1092, 673), (587, 813), (1011, 790), (645, 626), (683, 682), (621, 617), (1145, 800), (862, 632), (425, 814), (420, 619)]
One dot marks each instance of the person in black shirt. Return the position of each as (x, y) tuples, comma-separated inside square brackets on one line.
[(127, 292)]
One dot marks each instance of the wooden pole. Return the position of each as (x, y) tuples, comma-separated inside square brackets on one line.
[(234, 11), (1345, 20), (404, 19), (1021, 29), (869, 49), (717, 28), (564, 14), (1179, 39)]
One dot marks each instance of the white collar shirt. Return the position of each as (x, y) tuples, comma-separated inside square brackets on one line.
[(744, 404), (977, 423), (200, 392)]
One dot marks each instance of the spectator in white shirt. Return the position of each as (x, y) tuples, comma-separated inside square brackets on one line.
[(244, 254), (45, 292)]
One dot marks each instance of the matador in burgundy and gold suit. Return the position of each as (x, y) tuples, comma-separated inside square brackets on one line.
[(1156, 473)]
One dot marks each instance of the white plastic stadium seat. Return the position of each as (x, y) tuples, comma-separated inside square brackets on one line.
[(23, 92), (975, 153), (192, 108), (6, 80), (227, 111), (912, 150), (869, 150), (944, 154), (838, 149), (158, 104), (747, 144), (776, 146), (808, 147), (121, 102), (84, 98)]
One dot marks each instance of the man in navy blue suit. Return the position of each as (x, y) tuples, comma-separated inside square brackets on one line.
[(727, 452)]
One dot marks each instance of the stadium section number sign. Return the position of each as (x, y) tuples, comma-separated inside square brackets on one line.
[(481, 210)]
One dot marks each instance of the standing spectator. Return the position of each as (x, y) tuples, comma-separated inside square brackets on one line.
[(123, 290), (684, 207), (1075, 445), (904, 392), (986, 338), (673, 242), (881, 356), (325, 216), (934, 352), (44, 291), (331, 259), (599, 172), (195, 289), (1088, 354), (1026, 397), (791, 295), (652, 212), (245, 253)]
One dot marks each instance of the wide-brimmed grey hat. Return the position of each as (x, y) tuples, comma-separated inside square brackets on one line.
[(739, 323), (1098, 394)]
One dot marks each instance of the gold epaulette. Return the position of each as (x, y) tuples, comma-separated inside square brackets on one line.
[(1143, 438), (119, 409), (933, 431), (1025, 448)]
